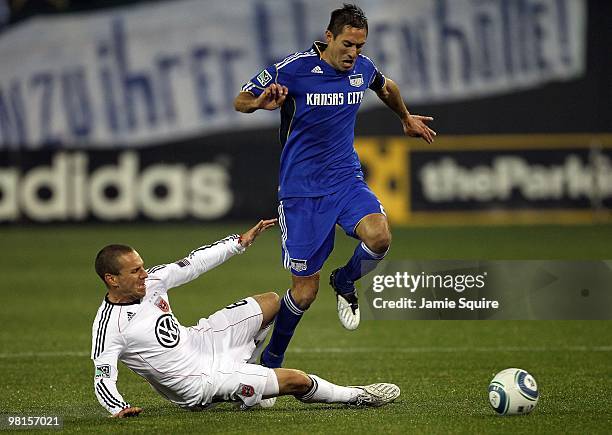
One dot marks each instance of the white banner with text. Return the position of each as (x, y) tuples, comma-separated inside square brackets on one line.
[(144, 74)]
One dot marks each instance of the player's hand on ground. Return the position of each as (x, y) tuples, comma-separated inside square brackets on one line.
[(272, 97), (415, 126), (132, 411), (249, 237)]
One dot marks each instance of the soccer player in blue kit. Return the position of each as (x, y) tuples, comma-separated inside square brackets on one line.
[(321, 183)]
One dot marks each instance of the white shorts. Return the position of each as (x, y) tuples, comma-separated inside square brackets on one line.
[(234, 329)]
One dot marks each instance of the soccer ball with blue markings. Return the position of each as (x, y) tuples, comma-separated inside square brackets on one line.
[(513, 392)]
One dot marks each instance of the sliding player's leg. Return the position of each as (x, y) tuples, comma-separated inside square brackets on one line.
[(314, 389)]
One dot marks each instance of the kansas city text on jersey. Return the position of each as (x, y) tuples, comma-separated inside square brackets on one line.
[(333, 99)]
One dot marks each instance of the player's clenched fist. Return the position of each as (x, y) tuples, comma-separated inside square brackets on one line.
[(273, 97)]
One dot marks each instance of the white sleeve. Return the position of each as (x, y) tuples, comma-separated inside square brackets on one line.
[(107, 345), (196, 263)]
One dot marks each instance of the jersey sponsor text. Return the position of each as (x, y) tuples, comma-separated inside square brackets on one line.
[(333, 99)]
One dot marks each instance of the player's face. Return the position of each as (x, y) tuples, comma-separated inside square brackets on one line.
[(130, 282), (342, 51)]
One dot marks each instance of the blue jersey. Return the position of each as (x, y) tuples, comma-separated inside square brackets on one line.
[(317, 120)]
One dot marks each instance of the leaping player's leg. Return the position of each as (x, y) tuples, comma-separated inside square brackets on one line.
[(292, 306), (363, 217), (307, 226), (373, 231)]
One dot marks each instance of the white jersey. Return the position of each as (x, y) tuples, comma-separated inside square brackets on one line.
[(177, 361)]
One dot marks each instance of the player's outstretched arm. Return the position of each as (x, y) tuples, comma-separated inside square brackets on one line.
[(270, 99), (207, 257), (414, 125), (249, 237), (132, 411)]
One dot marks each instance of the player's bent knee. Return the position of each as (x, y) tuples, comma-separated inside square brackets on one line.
[(378, 242), (270, 304), (382, 242), (273, 298)]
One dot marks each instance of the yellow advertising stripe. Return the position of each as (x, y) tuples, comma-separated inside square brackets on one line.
[(509, 217), (509, 141)]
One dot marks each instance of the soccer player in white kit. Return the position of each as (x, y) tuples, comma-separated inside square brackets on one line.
[(199, 365)]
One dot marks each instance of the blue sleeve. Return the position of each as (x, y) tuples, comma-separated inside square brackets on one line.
[(262, 80)]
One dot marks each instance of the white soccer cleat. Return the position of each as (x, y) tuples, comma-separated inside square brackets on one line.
[(375, 395), (348, 307), (267, 403), (264, 403), (348, 313)]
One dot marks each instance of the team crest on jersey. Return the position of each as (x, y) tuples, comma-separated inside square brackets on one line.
[(103, 371), (356, 80), (264, 77), (130, 315), (162, 304), (246, 390), (298, 265), (167, 331)]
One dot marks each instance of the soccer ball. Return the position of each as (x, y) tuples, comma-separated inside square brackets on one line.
[(513, 391)]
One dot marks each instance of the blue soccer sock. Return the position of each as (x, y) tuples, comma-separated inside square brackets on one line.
[(361, 263), (286, 321)]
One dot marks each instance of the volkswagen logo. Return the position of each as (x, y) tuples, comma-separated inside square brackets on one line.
[(167, 331)]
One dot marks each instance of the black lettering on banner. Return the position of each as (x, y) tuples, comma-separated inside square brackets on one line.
[(237, 304)]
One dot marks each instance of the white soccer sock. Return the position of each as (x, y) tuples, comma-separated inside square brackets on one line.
[(260, 341), (323, 391)]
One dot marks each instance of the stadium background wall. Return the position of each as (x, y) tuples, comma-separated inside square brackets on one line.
[(559, 133)]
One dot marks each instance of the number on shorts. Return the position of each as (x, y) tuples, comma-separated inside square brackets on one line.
[(237, 304)]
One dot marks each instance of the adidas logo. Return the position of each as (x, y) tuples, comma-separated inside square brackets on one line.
[(317, 70)]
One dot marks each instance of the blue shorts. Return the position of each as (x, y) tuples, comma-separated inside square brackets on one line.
[(308, 224)]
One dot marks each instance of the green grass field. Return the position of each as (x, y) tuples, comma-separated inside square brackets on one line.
[(50, 294)]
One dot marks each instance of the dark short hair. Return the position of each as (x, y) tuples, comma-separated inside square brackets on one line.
[(349, 15), (107, 260)]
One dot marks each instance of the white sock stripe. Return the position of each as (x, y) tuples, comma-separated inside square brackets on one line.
[(374, 254), (313, 389), (291, 305)]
